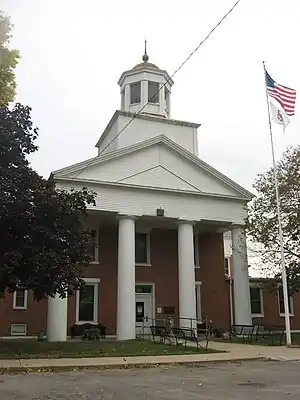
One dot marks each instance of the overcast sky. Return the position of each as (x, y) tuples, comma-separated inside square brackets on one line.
[(74, 51)]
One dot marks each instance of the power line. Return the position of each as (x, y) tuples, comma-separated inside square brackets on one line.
[(168, 80)]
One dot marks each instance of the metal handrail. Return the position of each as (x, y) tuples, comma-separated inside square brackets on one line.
[(171, 322)]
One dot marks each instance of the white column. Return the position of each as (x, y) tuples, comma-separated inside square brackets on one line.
[(161, 95), (126, 279), (57, 319), (186, 274), (144, 93), (127, 97), (241, 287)]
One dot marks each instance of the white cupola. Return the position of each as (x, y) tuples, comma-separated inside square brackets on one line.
[(146, 87)]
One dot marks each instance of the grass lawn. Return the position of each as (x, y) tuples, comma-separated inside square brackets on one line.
[(30, 348), (266, 341)]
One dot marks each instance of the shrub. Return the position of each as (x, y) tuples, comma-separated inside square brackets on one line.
[(91, 334)]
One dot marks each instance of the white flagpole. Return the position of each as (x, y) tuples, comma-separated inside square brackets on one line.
[(283, 269)]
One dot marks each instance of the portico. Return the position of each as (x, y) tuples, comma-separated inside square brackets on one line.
[(131, 274)]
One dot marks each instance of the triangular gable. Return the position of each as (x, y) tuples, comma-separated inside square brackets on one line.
[(157, 162), (159, 177)]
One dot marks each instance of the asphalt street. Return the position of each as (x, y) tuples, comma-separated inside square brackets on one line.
[(248, 380)]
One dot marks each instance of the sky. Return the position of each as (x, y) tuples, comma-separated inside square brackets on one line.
[(74, 51)]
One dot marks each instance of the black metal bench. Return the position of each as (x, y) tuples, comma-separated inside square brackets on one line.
[(189, 335), (246, 332), (274, 332), (79, 329), (161, 332)]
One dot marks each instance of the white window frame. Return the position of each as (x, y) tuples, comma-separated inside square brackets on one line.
[(199, 305), (196, 250), (291, 303), (91, 282), (24, 307), (261, 314), (132, 84), (148, 262), (96, 255)]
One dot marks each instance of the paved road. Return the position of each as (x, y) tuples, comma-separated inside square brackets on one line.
[(251, 380)]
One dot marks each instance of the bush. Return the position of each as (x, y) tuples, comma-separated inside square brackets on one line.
[(91, 334)]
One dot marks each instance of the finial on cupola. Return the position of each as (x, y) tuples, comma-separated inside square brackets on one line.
[(145, 56)]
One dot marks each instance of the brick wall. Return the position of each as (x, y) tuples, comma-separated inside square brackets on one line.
[(163, 273), (271, 311)]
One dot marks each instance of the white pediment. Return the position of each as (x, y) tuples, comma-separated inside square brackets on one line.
[(156, 163)]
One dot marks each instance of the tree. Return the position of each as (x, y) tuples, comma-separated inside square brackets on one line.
[(8, 62), (42, 241), (262, 222)]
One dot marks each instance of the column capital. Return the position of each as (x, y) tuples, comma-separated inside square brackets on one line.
[(185, 222), (126, 216), (238, 226)]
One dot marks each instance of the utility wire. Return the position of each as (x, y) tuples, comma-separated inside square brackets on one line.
[(149, 101)]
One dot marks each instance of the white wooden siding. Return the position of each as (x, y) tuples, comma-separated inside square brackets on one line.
[(135, 201), (192, 173), (159, 177), (140, 130), (123, 166)]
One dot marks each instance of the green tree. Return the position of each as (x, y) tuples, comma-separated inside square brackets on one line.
[(8, 61), (262, 222), (42, 241)]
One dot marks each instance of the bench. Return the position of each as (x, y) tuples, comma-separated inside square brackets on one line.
[(79, 329), (246, 332), (270, 331), (188, 335), (161, 332)]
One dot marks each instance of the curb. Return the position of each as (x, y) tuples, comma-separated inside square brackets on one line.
[(118, 366)]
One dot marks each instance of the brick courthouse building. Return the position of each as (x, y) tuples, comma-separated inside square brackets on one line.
[(158, 227)]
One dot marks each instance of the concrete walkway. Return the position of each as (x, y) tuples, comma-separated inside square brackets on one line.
[(234, 352), (241, 351)]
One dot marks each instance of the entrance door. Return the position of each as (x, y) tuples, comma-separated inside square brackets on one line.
[(143, 313)]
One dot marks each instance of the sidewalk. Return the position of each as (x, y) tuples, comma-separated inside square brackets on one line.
[(234, 353), (280, 353)]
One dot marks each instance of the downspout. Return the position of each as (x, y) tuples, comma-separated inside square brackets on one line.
[(230, 301)]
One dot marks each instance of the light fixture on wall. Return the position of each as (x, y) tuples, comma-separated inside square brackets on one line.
[(160, 212)]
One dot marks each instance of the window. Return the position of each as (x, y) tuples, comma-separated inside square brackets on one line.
[(87, 302), (142, 248), (153, 92), (226, 266), (281, 303), (198, 301), (143, 289), (256, 300), (20, 299), (94, 245), (18, 329), (196, 251), (135, 93)]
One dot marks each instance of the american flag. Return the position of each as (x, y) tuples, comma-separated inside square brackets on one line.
[(285, 96)]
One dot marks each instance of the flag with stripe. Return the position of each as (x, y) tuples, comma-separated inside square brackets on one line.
[(285, 96), (279, 116)]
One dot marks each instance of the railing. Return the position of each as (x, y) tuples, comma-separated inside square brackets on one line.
[(173, 322)]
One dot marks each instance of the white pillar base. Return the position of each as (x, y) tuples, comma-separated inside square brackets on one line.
[(57, 319), (186, 275), (241, 286), (126, 279)]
